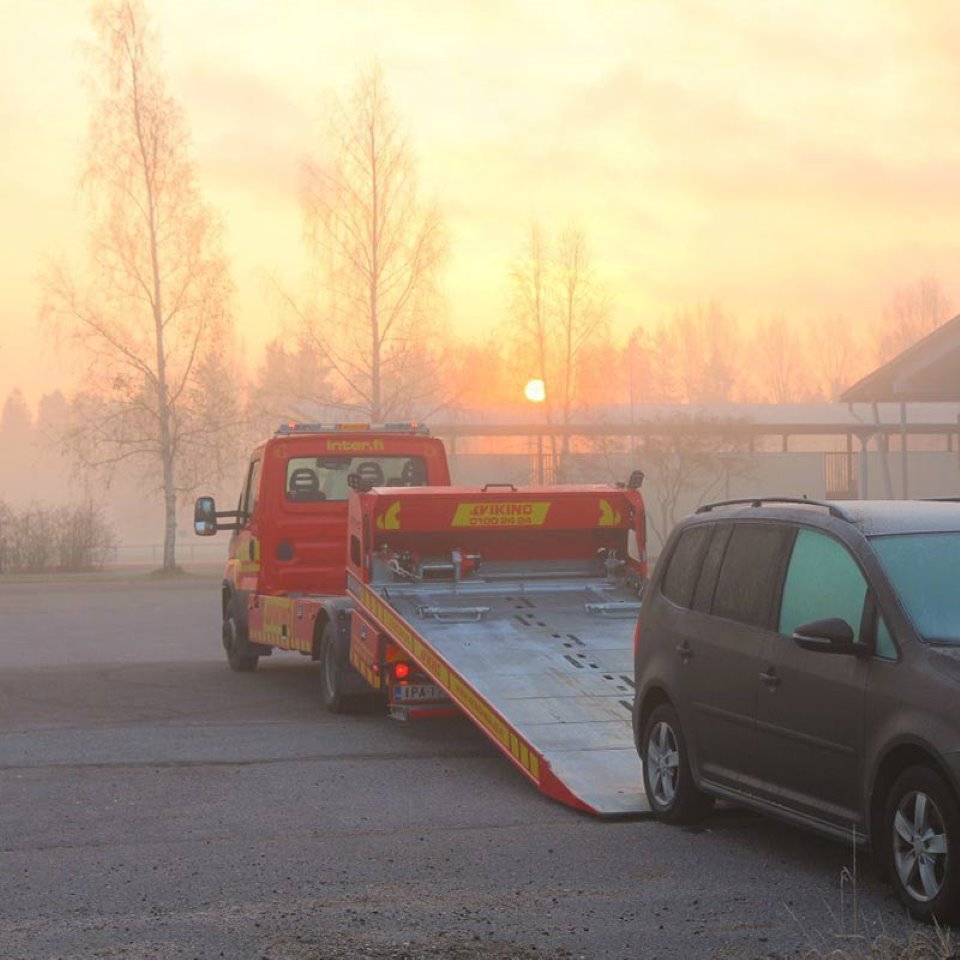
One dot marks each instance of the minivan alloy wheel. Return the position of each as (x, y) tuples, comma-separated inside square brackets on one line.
[(919, 846), (667, 779), (671, 791), (663, 763)]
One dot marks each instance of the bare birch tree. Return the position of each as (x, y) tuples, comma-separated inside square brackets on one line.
[(558, 309), (838, 345), (912, 313), (531, 325), (378, 250), (582, 316), (530, 307), (692, 356), (154, 310), (778, 363), (689, 460)]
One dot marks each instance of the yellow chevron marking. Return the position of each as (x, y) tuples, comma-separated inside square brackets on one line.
[(390, 518), (608, 516)]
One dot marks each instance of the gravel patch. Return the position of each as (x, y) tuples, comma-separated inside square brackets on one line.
[(351, 947)]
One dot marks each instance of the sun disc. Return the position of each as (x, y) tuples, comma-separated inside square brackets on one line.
[(535, 391)]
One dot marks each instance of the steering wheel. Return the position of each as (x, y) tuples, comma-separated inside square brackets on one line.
[(370, 472)]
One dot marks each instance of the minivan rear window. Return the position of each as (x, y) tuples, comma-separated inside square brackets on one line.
[(680, 579), (751, 572)]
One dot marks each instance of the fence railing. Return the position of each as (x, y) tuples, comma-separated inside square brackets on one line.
[(189, 553), (840, 472)]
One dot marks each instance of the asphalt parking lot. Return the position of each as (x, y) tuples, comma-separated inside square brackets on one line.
[(154, 804)]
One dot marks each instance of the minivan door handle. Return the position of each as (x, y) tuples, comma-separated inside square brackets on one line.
[(770, 678), (684, 651)]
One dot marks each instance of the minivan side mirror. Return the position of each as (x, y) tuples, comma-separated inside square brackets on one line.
[(833, 635), (205, 517)]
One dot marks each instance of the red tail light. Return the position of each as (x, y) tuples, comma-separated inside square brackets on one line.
[(401, 670), (636, 638)]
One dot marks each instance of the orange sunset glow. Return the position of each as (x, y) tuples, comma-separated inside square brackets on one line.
[(795, 160)]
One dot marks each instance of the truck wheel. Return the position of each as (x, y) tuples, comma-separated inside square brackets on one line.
[(331, 681), (235, 643), (342, 690)]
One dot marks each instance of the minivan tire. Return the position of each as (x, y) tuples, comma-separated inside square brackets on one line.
[(671, 792), (923, 817)]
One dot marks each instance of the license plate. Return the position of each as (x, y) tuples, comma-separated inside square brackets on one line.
[(418, 691)]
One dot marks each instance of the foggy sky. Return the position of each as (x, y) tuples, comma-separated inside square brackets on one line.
[(798, 158)]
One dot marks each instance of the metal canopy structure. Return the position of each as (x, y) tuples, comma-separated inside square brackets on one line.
[(928, 371)]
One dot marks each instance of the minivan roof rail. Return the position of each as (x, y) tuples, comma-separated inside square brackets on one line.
[(828, 505)]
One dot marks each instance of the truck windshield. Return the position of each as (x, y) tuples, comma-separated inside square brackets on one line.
[(318, 479), (923, 570)]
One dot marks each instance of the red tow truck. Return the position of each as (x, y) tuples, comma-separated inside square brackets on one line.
[(513, 605)]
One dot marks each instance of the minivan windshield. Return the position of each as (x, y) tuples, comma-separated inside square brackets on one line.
[(923, 570)]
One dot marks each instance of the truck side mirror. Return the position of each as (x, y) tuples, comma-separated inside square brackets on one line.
[(636, 480), (205, 517)]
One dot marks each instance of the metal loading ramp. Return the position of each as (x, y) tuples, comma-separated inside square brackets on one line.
[(546, 670)]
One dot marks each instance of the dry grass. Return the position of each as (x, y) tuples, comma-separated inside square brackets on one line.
[(933, 944), (920, 943)]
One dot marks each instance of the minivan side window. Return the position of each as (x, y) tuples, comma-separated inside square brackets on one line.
[(680, 580), (707, 581), (751, 571), (823, 580)]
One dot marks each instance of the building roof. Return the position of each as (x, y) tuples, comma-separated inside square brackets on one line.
[(929, 370)]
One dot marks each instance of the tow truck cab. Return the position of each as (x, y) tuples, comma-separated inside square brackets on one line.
[(289, 530)]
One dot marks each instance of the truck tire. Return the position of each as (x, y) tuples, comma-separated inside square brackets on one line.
[(342, 689), (235, 643), (331, 665)]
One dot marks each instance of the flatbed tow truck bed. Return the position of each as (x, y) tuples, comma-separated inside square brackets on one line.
[(542, 663)]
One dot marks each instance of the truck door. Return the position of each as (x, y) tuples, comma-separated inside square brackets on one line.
[(245, 544)]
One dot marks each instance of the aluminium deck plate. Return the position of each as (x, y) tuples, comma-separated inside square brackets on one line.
[(559, 674)]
